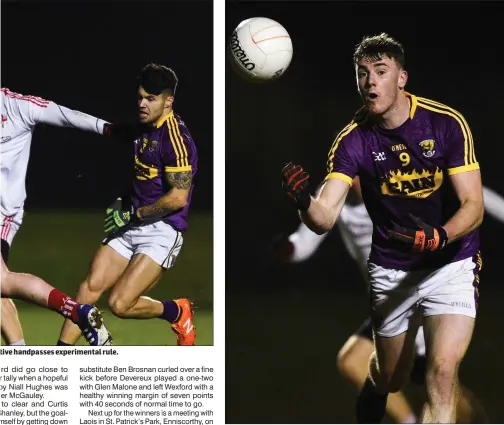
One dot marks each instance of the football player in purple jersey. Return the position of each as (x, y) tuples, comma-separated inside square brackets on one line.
[(421, 185)]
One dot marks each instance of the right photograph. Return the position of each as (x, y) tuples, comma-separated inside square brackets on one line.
[(365, 210)]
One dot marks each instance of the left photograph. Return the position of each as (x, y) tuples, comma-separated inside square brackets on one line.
[(106, 188)]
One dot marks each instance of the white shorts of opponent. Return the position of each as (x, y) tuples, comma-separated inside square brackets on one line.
[(397, 295), (356, 230), (9, 226), (159, 241)]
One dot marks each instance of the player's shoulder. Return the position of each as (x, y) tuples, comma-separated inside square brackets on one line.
[(352, 131), (14, 96), (439, 112), (175, 133)]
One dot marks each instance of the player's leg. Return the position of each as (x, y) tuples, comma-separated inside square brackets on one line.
[(32, 289), (448, 337), (11, 329), (106, 267), (12, 332), (353, 364), (395, 326), (449, 306), (469, 408), (156, 247), (127, 300)]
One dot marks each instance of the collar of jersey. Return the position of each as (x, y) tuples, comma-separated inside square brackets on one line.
[(162, 120), (413, 105)]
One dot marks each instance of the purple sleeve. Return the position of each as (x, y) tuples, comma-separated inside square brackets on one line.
[(345, 155), (177, 148), (459, 146)]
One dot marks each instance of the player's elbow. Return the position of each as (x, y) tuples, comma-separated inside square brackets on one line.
[(178, 201), (481, 214), (317, 227), (321, 229), (478, 209)]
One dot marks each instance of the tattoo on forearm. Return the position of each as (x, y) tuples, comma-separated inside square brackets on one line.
[(181, 180), (154, 210)]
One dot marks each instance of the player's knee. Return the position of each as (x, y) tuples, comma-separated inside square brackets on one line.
[(6, 283), (387, 378), (441, 374), (119, 306), (347, 360), (344, 361), (90, 290)]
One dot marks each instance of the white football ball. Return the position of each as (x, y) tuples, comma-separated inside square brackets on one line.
[(260, 49)]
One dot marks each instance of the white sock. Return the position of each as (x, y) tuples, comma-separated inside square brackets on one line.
[(20, 342), (410, 420)]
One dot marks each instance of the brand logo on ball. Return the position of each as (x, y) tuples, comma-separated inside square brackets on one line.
[(239, 53), (278, 73)]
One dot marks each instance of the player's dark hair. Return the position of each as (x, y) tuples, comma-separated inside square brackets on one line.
[(374, 47), (157, 79)]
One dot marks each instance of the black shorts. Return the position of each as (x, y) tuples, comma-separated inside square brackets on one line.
[(5, 251), (419, 364)]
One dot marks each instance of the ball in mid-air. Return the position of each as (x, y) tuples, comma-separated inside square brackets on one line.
[(260, 49)]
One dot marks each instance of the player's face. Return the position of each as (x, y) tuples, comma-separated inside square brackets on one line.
[(151, 107), (380, 82)]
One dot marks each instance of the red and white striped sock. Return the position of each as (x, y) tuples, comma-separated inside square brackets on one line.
[(64, 305)]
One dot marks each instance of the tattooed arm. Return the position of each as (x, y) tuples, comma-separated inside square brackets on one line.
[(174, 200)]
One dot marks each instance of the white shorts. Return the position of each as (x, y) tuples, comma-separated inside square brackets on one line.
[(397, 295), (9, 225), (158, 240)]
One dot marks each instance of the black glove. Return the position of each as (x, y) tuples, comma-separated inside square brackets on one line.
[(112, 130), (426, 238), (296, 184), (117, 217), (123, 131)]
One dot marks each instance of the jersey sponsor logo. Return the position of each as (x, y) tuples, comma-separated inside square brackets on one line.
[(144, 172), (427, 147), (239, 53), (418, 184)]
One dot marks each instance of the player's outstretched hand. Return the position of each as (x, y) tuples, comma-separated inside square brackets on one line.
[(426, 238), (296, 182), (117, 217), (123, 131), (114, 130)]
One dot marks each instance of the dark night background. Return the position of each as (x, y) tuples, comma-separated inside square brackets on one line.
[(285, 325), (86, 56)]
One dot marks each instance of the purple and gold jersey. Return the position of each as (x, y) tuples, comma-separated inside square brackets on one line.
[(167, 148), (405, 170)]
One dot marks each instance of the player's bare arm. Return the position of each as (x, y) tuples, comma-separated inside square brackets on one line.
[(469, 191), (174, 200), (324, 210), (356, 187)]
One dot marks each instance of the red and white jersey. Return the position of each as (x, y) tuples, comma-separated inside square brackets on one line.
[(20, 114)]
